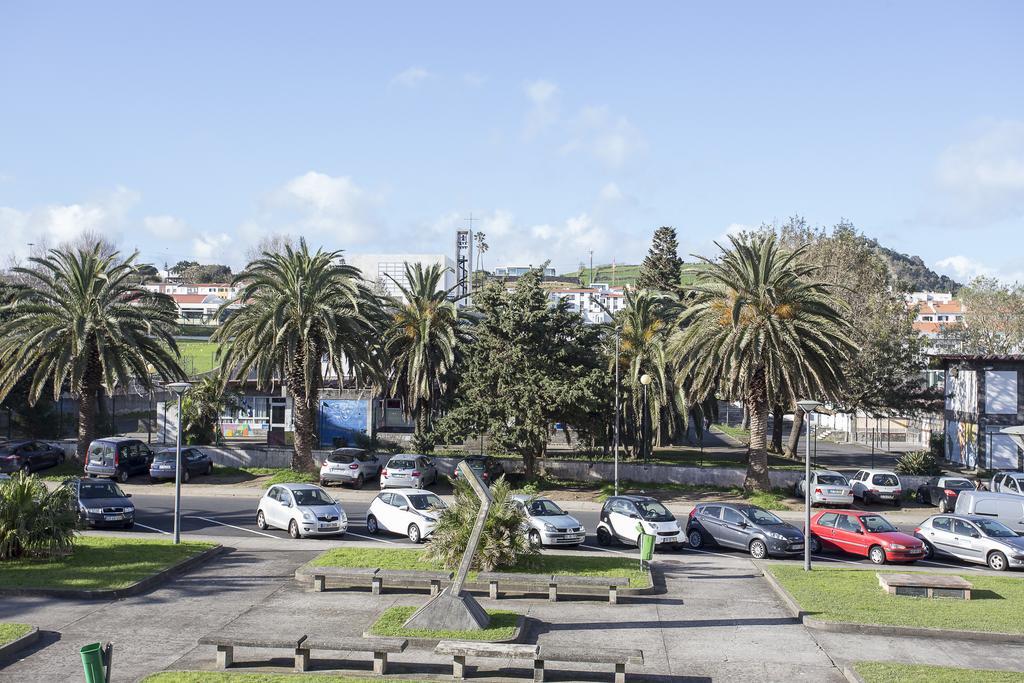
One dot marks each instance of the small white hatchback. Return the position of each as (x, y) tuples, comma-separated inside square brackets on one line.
[(409, 512), (301, 510)]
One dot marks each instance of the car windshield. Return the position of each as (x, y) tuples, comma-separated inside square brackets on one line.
[(544, 508), (164, 456), (342, 458), (426, 501), (995, 529), (877, 524), (832, 480), (400, 465), (759, 516), (885, 480), (99, 489), (654, 511), (311, 497), (958, 484)]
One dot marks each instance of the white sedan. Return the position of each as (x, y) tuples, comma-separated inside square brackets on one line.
[(408, 512), (301, 510)]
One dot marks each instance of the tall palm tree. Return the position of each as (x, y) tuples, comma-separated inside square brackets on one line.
[(761, 323), (302, 309), (82, 320), (421, 344)]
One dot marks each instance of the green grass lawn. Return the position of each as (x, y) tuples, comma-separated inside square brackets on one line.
[(277, 475), (197, 357), (851, 595), (578, 565), (222, 677), (502, 626), (9, 631), (683, 456), (885, 672), (99, 563), (69, 469), (738, 433)]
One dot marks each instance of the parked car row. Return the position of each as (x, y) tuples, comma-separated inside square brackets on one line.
[(29, 456)]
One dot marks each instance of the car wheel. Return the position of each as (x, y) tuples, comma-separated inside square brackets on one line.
[(26, 469), (943, 506), (929, 551), (920, 497), (534, 538), (185, 476), (997, 561), (293, 529), (414, 533), (815, 545), (209, 469), (60, 459), (876, 555), (359, 482), (371, 524), (696, 539), (261, 521), (323, 483), (758, 549), (603, 537), (122, 476)]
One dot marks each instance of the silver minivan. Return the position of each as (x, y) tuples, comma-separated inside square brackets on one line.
[(1002, 507)]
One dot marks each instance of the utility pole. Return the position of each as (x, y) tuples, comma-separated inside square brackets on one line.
[(591, 283)]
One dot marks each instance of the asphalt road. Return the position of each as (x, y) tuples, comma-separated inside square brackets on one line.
[(235, 516)]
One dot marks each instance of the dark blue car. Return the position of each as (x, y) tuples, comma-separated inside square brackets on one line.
[(196, 462)]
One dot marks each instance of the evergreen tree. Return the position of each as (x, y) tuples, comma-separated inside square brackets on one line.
[(662, 267)]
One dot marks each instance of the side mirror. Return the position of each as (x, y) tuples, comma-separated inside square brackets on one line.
[(404, 508), (127, 495), (634, 516), (860, 531), (975, 534), (743, 525)]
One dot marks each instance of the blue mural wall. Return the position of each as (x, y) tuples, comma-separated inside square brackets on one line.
[(341, 419)]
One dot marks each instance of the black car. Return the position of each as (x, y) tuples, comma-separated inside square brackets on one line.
[(103, 504), (196, 462), (29, 456), (487, 467), (943, 491), (118, 457), (744, 527)]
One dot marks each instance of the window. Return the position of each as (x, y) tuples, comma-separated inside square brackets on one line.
[(385, 498), (885, 480), (713, 511), (731, 516), (398, 500), (272, 493), (942, 524), (847, 523), (962, 528), (828, 519), (1011, 484)]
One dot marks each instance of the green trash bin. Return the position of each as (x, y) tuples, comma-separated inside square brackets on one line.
[(646, 547), (92, 662)]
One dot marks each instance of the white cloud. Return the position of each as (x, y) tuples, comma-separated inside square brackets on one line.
[(212, 247), (164, 227), (608, 137), (412, 77), (962, 267), (319, 204), (611, 193), (983, 178), (543, 112)]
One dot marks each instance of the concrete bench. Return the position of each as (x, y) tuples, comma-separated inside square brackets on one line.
[(926, 585), (620, 658), (380, 647), (413, 576), (226, 645), (350, 574), (460, 649), (552, 583)]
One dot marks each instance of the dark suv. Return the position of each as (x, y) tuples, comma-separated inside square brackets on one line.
[(744, 527), (118, 457), (487, 467), (29, 456)]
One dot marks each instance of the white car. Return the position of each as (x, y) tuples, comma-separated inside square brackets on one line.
[(301, 510), (408, 512), (548, 524), (1008, 482), (827, 488), (623, 517), (349, 466), (882, 486), (408, 470)]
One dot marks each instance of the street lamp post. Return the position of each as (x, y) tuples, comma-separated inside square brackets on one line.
[(618, 330), (178, 388), (808, 406), (645, 422)]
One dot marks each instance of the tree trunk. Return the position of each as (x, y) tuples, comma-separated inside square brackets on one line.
[(795, 433), (757, 408), (303, 415), (745, 419), (777, 422), (87, 399)]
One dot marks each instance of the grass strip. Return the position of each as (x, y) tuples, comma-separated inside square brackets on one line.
[(10, 632), (887, 672), (390, 623)]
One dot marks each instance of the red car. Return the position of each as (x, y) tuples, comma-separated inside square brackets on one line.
[(863, 533)]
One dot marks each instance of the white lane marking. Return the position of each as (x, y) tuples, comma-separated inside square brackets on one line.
[(159, 531), (371, 538), (240, 528), (607, 550), (952, 566), (710, 552)]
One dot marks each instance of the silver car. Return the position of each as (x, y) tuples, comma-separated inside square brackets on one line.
[(827, 488), (1008, 482), (408, 471), (971, 538), (548, 524), (349, 466)]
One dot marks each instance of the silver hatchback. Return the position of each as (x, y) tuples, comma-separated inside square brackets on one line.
[(971, 538), (408, 471)]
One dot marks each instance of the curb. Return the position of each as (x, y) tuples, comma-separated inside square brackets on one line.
[(851, 675), (140, 586), (429, 643), (19, 644), (878, 629)]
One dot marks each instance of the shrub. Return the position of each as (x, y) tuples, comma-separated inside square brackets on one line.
[(34, 521), (937, 445), (502, 544), (918, 463)]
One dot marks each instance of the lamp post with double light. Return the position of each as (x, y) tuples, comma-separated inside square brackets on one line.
[(808, 406), (645, 421), (178, 388), (618, 332)]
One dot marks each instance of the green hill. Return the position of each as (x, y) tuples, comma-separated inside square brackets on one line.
[(624, 274)]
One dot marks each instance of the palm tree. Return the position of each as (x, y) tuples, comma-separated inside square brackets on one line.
[(302, 309), (761, 323), (83, 320), (421, 345)]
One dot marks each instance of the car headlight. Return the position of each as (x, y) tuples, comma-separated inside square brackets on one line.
[(776, 535), (897, 546), (308, 516), (130, 508), (549, 527)]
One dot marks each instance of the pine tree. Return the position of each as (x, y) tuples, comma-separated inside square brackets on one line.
[(662, 268)]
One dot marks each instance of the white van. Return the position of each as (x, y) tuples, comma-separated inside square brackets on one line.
[(1006, 508)]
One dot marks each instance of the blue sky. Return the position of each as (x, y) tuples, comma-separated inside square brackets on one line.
[(188, 130)]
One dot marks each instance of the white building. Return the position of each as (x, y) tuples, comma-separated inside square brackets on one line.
[(222, 290), (519, 271), (596, 304), (385, 269)]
